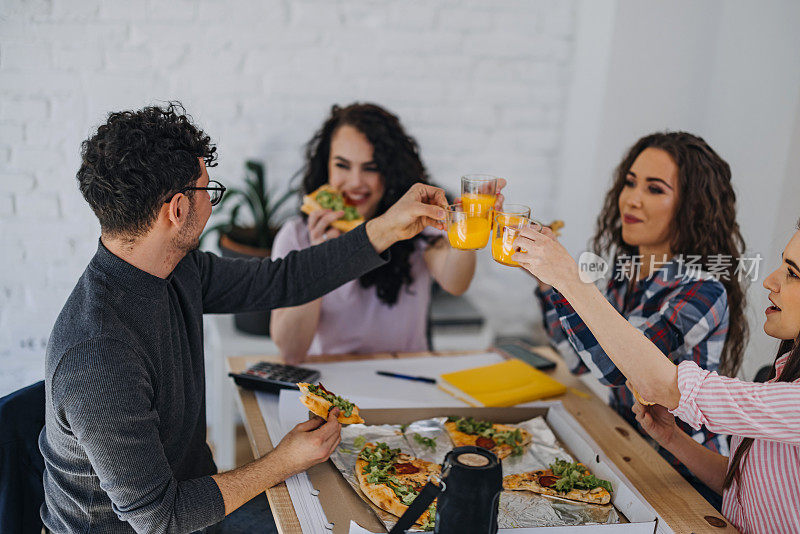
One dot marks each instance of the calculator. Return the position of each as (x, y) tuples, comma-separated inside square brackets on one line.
[(268, 376)]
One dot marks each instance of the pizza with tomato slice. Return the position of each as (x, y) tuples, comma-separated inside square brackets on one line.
[(320, 401), (568, 480), (502, 440), (392, 479), (328, 197)]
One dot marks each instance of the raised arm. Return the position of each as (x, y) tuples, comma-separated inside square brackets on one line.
[(651, 372), (690, 316), (249, 285)]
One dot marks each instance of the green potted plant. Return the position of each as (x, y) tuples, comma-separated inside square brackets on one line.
[(253, 238)]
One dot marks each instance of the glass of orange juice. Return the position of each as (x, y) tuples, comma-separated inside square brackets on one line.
[(507, 226), (478, 193), (466, 231)]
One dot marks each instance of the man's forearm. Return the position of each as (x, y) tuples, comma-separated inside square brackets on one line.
[(244, 483), (651, 372)]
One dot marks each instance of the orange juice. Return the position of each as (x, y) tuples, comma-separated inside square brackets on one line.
[(469, 233), (503, 246), (477, 204), (506, 229)]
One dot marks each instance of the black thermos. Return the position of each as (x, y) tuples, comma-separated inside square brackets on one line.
[(472, 481)]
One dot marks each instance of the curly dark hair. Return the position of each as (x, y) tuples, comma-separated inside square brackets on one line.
[(135, 161), (396, 156), (790, 373), (704, 223)]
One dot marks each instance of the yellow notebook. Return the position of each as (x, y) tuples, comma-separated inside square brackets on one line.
[(501, 384)]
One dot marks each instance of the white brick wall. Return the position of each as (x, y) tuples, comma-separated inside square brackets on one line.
[(480, 84)]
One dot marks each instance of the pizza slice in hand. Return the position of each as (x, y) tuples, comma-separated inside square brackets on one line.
[(392, 479), (502, 440), (571, 481), (320, 401), (328, 197)]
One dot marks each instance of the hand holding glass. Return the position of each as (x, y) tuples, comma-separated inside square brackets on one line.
[(507, 226)]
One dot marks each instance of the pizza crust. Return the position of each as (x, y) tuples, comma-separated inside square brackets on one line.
[(530, 482), (460, 439), (638, 397), (311, 205), (319, 406), (383, 496)]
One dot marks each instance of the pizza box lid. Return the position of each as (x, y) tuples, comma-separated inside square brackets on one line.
[(341, 504)]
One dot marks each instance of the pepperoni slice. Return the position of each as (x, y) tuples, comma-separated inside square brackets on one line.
[(547, 480), (405, 469), (485, 443)]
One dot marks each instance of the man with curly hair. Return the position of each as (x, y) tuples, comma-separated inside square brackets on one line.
[(124, 441)]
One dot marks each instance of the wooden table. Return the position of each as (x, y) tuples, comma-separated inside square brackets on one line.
[(683, 509)]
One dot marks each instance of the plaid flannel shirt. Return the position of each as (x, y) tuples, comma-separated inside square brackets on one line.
[(685, 316)]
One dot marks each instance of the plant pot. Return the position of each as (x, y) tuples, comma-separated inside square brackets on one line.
[(256, 323)]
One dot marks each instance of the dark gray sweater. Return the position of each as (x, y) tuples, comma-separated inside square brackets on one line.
[(124, 441)]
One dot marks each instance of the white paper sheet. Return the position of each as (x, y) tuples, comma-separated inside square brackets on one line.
[(357, 379)]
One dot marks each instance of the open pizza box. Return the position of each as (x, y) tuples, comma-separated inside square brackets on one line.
[(343, 505)]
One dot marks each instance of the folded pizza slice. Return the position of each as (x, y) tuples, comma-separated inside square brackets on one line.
[(392, 479), (320, 401), (328, 197), (502, 440), (567, 480)]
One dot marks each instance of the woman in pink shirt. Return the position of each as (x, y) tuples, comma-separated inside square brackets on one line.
[(364, 152), (760, 482)]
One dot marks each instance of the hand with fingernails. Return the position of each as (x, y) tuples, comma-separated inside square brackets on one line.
[(319, 225), (656, 421), (422, 205), (543, 256), (309, 443)]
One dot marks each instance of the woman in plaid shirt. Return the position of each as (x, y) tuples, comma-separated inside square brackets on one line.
[(670, 222)]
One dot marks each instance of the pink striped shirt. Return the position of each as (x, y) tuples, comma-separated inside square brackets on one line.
[(768, 498)]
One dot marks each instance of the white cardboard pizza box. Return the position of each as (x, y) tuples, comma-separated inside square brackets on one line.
[(336, 504)]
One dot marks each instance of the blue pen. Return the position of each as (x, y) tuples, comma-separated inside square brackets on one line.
[(407, 377)]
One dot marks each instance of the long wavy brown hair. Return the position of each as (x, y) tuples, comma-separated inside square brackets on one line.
[(397, 157), (790, 373), (704, 223)]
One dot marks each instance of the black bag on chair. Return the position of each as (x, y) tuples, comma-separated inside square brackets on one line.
[(21, 462)]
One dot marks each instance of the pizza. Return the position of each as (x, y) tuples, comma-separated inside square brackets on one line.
[(327, 197), (502, 440), (571, 481), (320, 401), (638, 397), (392, 479), (556, 227)]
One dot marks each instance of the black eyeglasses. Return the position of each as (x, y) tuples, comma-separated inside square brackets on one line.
[(215, 191)]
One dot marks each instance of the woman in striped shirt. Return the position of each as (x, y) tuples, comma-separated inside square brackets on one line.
[(670, 211), (760, 482)]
